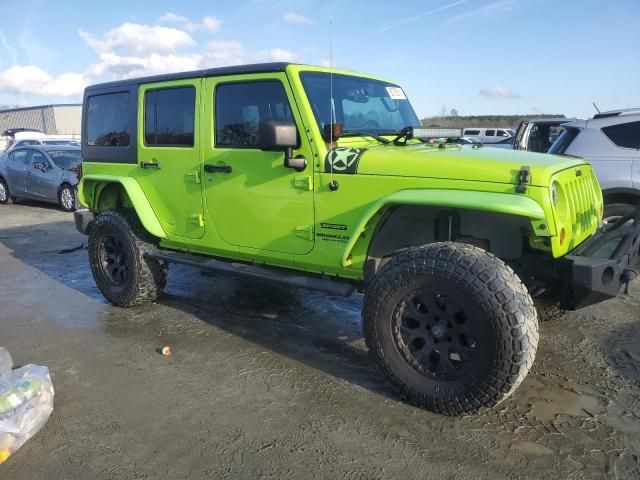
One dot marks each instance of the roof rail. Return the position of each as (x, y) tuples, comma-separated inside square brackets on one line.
[(614, 113)]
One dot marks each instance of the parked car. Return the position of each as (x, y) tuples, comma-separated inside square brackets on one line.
[(47, 173), (45, 141), (248, 170), (504, 143), (467, 141), (610, 141), (489, 135), (538, 134)]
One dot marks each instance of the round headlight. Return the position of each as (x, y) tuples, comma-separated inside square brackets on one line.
[(555, 195)]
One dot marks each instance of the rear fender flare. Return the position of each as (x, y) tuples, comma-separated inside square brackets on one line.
[(91, 187), (506, 203)]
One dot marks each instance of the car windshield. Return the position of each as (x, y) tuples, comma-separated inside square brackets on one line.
[(66, 159), (359, 104)]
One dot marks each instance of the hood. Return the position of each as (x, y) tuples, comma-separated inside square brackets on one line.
[(483, 164)]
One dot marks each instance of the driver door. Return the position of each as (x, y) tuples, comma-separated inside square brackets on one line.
[(41, 183), (253, 200)]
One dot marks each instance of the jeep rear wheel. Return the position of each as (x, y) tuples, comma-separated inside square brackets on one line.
[(117, 247), (452, 327)]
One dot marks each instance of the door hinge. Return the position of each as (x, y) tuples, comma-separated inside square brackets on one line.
[(303, 183), (197, 219), (195, 176), (305, 232)]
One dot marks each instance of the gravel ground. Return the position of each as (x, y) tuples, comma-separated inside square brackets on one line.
[(268, 382)]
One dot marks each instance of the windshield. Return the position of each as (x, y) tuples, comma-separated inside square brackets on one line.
[(66, 159), (359, 104)]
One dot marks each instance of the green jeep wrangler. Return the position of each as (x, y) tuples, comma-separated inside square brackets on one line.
[(324, 180)]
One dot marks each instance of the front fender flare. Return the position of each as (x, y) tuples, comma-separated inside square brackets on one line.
[(93, 185), (506, 203)]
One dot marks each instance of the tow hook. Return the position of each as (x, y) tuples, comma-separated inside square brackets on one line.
[(628, 276)]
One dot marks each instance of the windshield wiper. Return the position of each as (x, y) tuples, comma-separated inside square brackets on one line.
[(356, 133)]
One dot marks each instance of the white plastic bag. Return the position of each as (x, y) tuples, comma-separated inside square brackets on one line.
[(26, 401)]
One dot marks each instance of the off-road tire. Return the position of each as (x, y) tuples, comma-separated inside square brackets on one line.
[(502, 308), (8, 200), (616, 210), (71, 190), (146, 277)]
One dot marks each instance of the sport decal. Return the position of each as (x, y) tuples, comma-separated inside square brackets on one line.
[(343, 160)]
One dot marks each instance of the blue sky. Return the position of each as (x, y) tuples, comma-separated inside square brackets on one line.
[(477, 56)]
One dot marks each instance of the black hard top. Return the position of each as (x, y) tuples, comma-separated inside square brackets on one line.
[(207, 72)]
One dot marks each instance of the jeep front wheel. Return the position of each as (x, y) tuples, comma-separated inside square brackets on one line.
[(117, 247), (452, 327)]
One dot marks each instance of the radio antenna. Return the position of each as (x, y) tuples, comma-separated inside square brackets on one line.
[(333, 185), (596, 107)]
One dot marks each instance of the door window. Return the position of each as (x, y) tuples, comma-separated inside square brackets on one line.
[(20, 156), (169, 117), (108, 120), (501, 133), (38, 158), (472, 132), (240, 108), (624, 135), (490, 133)]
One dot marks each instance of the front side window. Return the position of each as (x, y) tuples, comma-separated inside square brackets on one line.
[(624, 135), (240, 108), (109, 120), (169, 117), (359, 104), (19, 156), (502, 133), (38, 158)]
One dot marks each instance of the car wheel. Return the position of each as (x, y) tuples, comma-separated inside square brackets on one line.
[(67, 198), (117, 247), (614, 211), (452, 327), (5, 195)]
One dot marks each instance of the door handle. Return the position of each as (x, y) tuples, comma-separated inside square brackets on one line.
[(150, 165), (209, 168)]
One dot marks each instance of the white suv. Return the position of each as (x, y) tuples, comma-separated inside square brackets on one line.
[(610, 141)]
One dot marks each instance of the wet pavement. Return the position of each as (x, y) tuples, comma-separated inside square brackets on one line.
[(273, 383)]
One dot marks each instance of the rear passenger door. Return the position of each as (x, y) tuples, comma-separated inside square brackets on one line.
[(489, 136), (169, 154), (42, 180)]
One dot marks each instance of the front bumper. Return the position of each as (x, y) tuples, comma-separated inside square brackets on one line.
[(83, 219), (602, 265)]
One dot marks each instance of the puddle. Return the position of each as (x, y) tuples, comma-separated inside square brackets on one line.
[(547, 402)]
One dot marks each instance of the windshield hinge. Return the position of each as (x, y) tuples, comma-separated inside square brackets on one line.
[(303, 183), (523, 179), (305, 232)]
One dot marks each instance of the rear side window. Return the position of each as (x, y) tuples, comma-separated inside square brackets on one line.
[(19, 156), (564, 140), (624, 135), (169, 117), (490, 133), (108, 120), (241, 107), (472, 132)]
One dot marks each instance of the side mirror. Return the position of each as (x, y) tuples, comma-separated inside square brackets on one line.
[(282, 135)]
